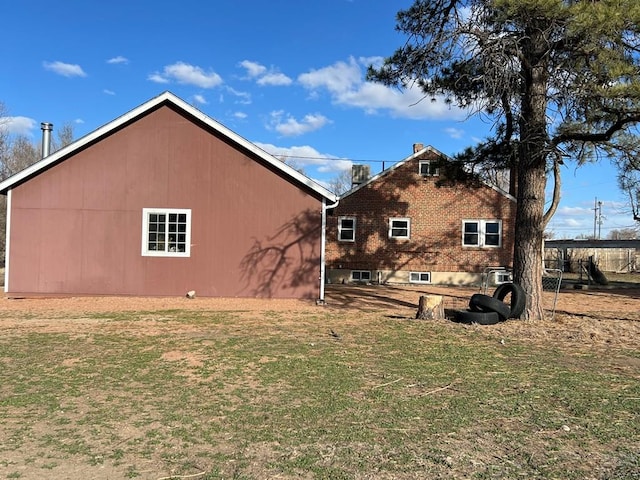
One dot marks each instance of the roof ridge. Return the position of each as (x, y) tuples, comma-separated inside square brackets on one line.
[(164, 97)]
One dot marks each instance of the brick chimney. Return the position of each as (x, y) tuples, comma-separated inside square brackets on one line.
[(359, 174), (417, 147)]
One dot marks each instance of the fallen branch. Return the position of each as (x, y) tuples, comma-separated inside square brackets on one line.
[(182, 476), (438, 389), (388, 383)]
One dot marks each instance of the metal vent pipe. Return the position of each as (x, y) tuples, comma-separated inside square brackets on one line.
[(46, 138)]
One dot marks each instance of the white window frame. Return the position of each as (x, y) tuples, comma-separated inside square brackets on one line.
[(342, 229), (420, 276), (392, 228), (167, 251), (360, 272), (482, 233), (433, 169)]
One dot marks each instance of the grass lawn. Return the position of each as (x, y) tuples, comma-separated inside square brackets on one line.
[(273, 394)]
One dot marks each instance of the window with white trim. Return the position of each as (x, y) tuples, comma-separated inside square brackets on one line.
[(399, 227), (346, 229), (482, 233), (419, 277), (166, 232), (360, 275), (429, 168)]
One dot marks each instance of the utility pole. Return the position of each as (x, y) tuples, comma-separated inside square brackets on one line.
[(597, 219)]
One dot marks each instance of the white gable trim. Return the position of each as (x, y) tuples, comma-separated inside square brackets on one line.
[(145, 107), (413, 157)]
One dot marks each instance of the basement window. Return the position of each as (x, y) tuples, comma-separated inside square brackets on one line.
[(360, 276), (419, 277), (166, 232)]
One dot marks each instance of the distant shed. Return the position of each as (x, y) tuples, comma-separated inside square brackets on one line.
[(609, 255)]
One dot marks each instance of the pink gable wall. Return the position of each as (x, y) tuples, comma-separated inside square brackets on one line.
[(76, 228)]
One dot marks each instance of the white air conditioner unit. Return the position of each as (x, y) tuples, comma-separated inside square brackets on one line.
[(498, 277)]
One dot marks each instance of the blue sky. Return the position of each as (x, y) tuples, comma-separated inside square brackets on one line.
[(286, 75)]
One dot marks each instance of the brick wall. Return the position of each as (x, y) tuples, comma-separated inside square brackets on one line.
[(436, 207)]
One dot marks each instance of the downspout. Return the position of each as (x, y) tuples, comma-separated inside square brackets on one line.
[(323, 244), (7, 242)]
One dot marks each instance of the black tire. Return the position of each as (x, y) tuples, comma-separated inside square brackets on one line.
[(481, 318), (518, 297), (485, 303)]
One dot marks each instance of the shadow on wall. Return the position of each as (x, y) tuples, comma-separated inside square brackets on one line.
[(436, 229), (288, 261)]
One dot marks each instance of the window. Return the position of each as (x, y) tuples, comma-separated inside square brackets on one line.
[(482, 233), (419, 277), (166, 232), (399, 227), (492, 234), (429, 168), (346, 229), (360, 275)]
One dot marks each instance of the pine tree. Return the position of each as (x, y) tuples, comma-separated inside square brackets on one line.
[(560, 78)]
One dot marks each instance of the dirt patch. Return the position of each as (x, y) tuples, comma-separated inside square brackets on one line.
[(592, 318)]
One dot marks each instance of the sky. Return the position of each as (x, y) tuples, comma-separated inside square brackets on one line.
[(286, 75)]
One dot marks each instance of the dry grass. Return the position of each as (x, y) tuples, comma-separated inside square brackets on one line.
[(107, 388)]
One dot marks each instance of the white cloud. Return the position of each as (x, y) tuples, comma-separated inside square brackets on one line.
[(265, 76), (253, 69), (64, 69), (339, 78), (186, 74), (274, 79), (290, 127), (108, 92), (344, 81), (244, 98), (157, 78), (240, 115), (335, 165), (17, 125), (572, 222), (200, 99), (574, 211), (118, 60), (454, 132), (306, 156)]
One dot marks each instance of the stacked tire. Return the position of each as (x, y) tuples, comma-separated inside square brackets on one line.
[(489, 310)]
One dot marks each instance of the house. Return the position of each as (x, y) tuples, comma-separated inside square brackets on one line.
[(161, 201), (421, 221)]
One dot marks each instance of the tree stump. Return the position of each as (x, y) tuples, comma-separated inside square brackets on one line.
[(430, 307)]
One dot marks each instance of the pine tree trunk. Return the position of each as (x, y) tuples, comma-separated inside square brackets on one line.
[(532, 175), (527, 261)]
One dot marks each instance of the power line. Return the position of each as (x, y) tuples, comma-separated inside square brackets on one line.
[(334, 158)]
